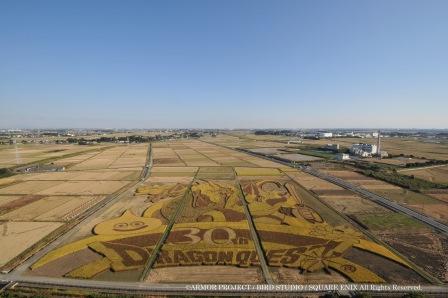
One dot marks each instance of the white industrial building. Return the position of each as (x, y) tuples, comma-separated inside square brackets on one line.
[(325, 135), (363, 150)]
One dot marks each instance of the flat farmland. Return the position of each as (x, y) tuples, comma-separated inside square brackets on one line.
[(15, 155), (311, 182), (422, 203), (195, 199), (240, 141), (418, 243), (396, 146), (73, 160), (58, 198), (419, 202), (16, 237), (173, 171), (55, 187), (281, 208), (282, 153), (51, 208), (437, 174), (84, 188), (393, 145), (27, 187), (397, 161), (196, 153), (127, 175), (115, 158), (297, 157), (361, 180), (441, 195)]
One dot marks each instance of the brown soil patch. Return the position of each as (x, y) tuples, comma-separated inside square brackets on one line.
[(25, 200), (65, 264), (427, 250), (437, 211), (387, 269)]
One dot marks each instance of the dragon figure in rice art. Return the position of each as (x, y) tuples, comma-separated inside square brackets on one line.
[(292, 233)]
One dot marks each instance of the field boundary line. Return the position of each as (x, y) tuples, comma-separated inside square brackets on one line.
[(254, 233), (155, 252), (180, 158)]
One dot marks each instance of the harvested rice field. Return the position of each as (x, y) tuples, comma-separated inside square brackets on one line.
[(437, 174), (55, 187), (51, 208), (16, 237), (387, 226), (125, 156), (52, 199), (398, 161), (19, 154), (423, 203)]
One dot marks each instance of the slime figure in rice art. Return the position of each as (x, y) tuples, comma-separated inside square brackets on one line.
[(213, 230)]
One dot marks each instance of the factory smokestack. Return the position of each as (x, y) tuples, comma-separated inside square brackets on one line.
[(378, 145)]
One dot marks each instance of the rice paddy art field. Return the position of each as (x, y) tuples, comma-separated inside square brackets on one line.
[(210, 213), (35, 205), (418, 243)]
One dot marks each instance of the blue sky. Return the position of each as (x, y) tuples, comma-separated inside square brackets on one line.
[(227, 64)]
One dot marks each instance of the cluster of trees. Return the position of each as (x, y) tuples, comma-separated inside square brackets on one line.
[(283, 132), (427, 163), (133, 138), (5, 173), (410, 182)]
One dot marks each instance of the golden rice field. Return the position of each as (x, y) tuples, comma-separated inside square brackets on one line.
[(202, 196), (209, 194)]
